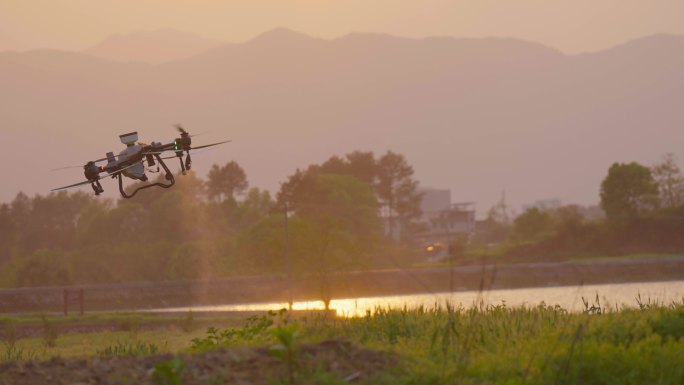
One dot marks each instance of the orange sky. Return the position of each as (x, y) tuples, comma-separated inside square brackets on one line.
[(572, 26)]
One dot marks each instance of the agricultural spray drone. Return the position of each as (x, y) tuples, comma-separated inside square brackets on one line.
[(135, 159)]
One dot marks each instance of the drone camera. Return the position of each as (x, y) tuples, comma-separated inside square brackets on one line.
[(129, 139)]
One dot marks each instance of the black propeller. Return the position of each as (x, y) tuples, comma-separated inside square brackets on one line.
[(194, 149), (180, 129), (115, 173), (80, 166)]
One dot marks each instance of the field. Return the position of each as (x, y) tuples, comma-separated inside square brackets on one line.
[(441, 345)]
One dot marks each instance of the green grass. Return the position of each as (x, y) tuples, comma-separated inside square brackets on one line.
[(501, 345), (89, 344), (112, 318), (476, 345)]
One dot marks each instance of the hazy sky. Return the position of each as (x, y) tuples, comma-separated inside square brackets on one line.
[(569, 25)]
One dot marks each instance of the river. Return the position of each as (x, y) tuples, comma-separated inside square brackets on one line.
[(571, 298)]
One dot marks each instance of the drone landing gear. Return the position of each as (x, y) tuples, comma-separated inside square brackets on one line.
[(97, 187), (188, 161), (168, 176)]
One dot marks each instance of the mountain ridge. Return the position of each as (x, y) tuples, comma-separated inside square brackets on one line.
[(151, 46), (539, 123)]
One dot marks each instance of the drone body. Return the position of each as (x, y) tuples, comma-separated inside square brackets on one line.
[(131, 161)]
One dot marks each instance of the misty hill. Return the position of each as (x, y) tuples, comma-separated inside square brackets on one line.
[(473, 115), (152, 47)]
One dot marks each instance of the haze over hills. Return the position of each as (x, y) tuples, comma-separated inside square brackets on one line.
[(473, 115), (152, 47)]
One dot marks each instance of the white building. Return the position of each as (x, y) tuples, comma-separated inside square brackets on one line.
[(442, 220)]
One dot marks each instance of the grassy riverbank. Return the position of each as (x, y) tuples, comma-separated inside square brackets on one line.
[(480, 344)]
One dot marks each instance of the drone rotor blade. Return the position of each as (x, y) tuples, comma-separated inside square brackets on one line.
[(65, 168), (201, 133), (115, 173), (209, 145), (81, 166), (71, 186), (194, 153), (202, 148)]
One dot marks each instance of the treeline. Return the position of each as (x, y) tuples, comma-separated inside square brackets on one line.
[(353, 212), (327, 218), (642, 213)]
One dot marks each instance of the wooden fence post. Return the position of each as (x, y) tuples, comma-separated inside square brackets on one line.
[(65, 298), (80, 298), (71, 297)]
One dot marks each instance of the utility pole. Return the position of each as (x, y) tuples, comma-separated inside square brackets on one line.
[(288, 260)]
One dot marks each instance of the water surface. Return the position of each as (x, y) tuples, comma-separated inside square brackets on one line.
[(571, 298)]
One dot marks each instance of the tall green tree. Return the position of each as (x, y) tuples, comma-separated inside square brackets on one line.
[(670, 182), (226, 182), (628, 191), (338, 227), (335, 224), (363, 166), (7, 231), (397, 192)]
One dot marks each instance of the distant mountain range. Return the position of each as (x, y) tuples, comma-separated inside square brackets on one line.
[(152, 47), (474, 115)]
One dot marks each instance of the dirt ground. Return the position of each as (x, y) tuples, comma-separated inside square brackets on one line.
[(227, 366)]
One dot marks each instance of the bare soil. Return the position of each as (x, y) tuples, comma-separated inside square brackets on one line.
[(226, 366)]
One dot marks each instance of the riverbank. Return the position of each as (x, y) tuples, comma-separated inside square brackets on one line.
[(439, 345), (155, 295)]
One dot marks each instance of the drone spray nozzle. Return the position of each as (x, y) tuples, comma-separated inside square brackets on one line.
[(188, 162)]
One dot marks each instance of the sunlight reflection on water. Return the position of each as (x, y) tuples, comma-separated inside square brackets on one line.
[(569, 297)]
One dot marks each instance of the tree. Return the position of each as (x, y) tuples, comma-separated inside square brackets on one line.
[(340, 226), (226, 182), (532, 224), (43, 268), (628, 191), (670, 182), (397, 192), (335, 224), (363, 166), (7, 231)]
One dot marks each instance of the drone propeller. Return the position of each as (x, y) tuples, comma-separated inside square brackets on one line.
[(202, 149), (66, 167), (80, 166), (71, 186), (210, 145), (194, 149), (115, 173), (180, 129)]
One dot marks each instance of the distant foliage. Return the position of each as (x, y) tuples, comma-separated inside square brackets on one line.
[(207, 228), (628, 191), (670, 182), (226, 182), (642, 210)]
